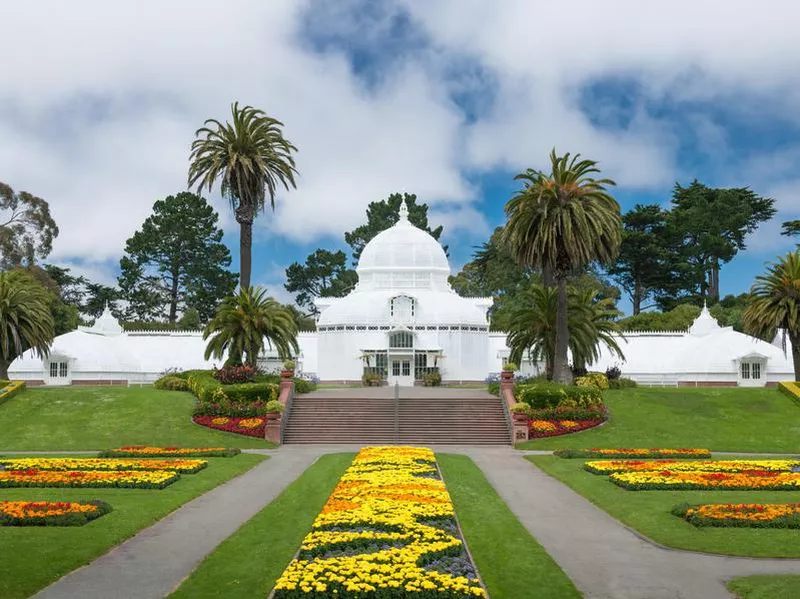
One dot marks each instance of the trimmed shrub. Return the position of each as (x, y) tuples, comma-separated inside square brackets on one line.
[(171, 383), (622, 383), (432, 379), (251, 392), (274, 407), (494, 387), (304, 385), (232, 375), (541, 395), (510, 367), (597, 379), (9, 389), (521, 408)]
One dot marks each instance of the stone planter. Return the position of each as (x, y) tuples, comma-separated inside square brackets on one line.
[(272, 415), (506, 375), (287, 374)]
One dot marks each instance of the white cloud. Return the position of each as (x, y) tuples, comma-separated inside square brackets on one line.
[(101, 100)]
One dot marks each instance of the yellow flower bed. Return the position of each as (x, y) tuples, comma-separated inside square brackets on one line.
[(155, 479), (251, 422), (543, 426), (751, 515), (609, 466), (50, 513), (740, 481), (388, 518), (60, 464)]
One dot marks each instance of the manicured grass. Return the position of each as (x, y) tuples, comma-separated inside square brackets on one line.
[(649, 513), (510, 561), (33, 557), (745, 420), (247, 564), (84, 418), (766, 587)]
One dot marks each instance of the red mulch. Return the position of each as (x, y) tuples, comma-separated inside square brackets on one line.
[(232, 425)]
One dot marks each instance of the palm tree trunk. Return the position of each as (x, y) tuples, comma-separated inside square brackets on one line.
[(561, 371), (796, 356), (4, 370), (244, 216), (548, 279)]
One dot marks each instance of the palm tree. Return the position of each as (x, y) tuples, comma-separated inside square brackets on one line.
[(244, 321), (775, 304), (559, 222), (590, 320), (25, 318), (252, 158)]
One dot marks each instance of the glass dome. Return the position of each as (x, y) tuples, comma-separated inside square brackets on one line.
[(403, 257)]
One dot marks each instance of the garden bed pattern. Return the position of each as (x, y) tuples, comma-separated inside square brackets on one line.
[(656, 452), (740, 481), (252, 427), (51, 513), (745, 466), (157, 479), (144, 451), (387, 530), (552, 428), (103, 464), (741, 515)]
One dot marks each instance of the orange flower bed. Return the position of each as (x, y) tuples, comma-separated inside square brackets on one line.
[(105, 464), (157, 479), (135, 451), (553, 428), (50, 513), (609, 466), (739, 481), (749, 515)]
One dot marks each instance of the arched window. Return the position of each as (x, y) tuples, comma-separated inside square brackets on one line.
[(402, 308), (401, 340)]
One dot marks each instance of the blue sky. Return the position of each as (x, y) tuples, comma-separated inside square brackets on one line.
[(447, 100)]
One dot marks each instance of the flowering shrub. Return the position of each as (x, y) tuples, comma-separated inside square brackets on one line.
[(598, 452), (609, 466), (231, 375), (51, 513), (102, 464), (764, 480), (170, 452), (553, 428), (252, 427), (593, 379), (387, 530), (751, 515), (152, 479)]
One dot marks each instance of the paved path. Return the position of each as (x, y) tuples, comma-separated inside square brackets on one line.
[(153, 563), (605, 559)]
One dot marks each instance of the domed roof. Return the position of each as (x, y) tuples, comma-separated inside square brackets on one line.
[(401, 257)]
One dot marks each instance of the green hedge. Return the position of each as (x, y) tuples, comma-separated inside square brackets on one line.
[(9, 389), (552, 395)]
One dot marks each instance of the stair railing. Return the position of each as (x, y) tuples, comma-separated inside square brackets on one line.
[(396, 412)]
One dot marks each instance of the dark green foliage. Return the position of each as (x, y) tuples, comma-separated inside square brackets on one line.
[(227, 452), (190, 320), (622, 383), (216, 399), (432, 379), (27, 230), (494, 387), (176, 260), (542, 395), (98, 296), (304, 385), (171, 383), (324, 274), (791, 228)]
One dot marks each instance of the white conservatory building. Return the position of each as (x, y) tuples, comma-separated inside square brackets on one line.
[(402, 320)]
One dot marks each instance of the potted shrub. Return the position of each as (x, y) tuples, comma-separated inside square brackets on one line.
[(508, 371), (273, 409), (521, 412), (288, 369)]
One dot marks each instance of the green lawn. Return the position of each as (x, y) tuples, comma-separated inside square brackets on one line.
[(84, 418), (510, 561), (247, 564), (33, 557), (766, 587), (649, 513), (736, 419)]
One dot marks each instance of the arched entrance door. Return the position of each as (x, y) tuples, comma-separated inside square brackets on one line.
[(401, 358)]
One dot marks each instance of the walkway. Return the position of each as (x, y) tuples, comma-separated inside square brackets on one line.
[(605, 559)]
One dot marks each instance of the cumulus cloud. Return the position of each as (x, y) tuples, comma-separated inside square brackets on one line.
[(101, 100)]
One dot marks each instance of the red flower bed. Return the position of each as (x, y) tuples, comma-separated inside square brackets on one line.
[(553, 428), (252, 427)]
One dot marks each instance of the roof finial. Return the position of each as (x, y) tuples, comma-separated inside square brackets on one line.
[(403, 210)]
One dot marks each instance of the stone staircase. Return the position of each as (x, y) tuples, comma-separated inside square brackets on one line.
[(430, 416)]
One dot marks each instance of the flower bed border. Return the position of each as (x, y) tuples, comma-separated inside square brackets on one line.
[(627, 453), (725, 466), (66, 519), (585, 425), (685, 512), (136, 451), (183, 466), (83, 479), (232, 426), (779, 481)]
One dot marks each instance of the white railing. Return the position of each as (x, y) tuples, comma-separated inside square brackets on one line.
[(655, 380)]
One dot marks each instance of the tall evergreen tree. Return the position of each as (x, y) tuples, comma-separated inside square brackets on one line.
[(176, 260), (27, 229), (324, 274)]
